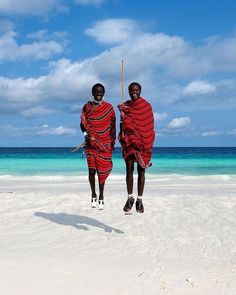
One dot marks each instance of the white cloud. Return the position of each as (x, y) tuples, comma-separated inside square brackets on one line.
[(37, 111), (41, 35), (41, 7), (29, 7), (67, 81), (76, 108), (72, 81), (57, 131), (179, 122), (43, 130), (198, 87), (160, 116), (153, 52), (175, 56), (171, 54), (112, 31), (39, 50), (153, 60), (46, 35), (232, 132), (10, 50), (90, 2), (11, 129), (21, 90), (211, 133)]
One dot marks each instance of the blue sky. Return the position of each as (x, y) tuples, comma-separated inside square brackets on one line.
[(183, 53)]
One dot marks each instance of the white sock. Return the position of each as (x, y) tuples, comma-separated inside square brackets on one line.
[(130, 195), (140, 197)]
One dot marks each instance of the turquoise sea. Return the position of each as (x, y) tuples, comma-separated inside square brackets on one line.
[(61, 161)]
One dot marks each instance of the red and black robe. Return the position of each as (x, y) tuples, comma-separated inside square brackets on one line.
[(99, 121), (138, 133)]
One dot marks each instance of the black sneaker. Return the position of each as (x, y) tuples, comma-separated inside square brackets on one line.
[(139, 206), (129, 204)]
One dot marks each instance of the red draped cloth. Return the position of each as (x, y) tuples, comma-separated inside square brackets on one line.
[(100, 122), (138, 134)]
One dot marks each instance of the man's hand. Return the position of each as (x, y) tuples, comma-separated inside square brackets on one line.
[(91, 138)]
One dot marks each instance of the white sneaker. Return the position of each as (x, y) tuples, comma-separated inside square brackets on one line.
[(100, 204), (94, 202)]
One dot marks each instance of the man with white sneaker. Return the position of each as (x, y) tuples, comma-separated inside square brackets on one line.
[(98, 124)]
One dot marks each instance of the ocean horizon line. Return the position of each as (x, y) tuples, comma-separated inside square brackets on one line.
[(118, 147)]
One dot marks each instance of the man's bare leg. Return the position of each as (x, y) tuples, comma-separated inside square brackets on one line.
[(141, 180), (129, 175), (141, 183), (92, 173), (101, 190), (129, 183), (101, 196)]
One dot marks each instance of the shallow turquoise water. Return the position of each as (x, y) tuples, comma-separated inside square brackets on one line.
[(60, 161)]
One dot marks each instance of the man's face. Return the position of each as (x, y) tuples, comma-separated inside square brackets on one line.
[(134, 92), (98, 93)]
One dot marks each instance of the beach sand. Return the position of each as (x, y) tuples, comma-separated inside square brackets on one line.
[(52, 242)]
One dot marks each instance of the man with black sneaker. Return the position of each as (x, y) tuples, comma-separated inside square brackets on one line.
[(136, 138)]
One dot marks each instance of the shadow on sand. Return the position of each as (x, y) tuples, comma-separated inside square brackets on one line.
[(77, 221)]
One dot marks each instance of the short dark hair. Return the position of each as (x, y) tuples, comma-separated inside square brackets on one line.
[(98, 85), (135, 84)]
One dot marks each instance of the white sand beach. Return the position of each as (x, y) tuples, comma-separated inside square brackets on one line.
[(52, 242)]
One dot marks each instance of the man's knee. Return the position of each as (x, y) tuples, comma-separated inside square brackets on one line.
[(141, 171), (129, 167), (92, 172)]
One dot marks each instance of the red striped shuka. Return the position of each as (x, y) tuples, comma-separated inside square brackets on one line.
[(138, 133), (99, 120)]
